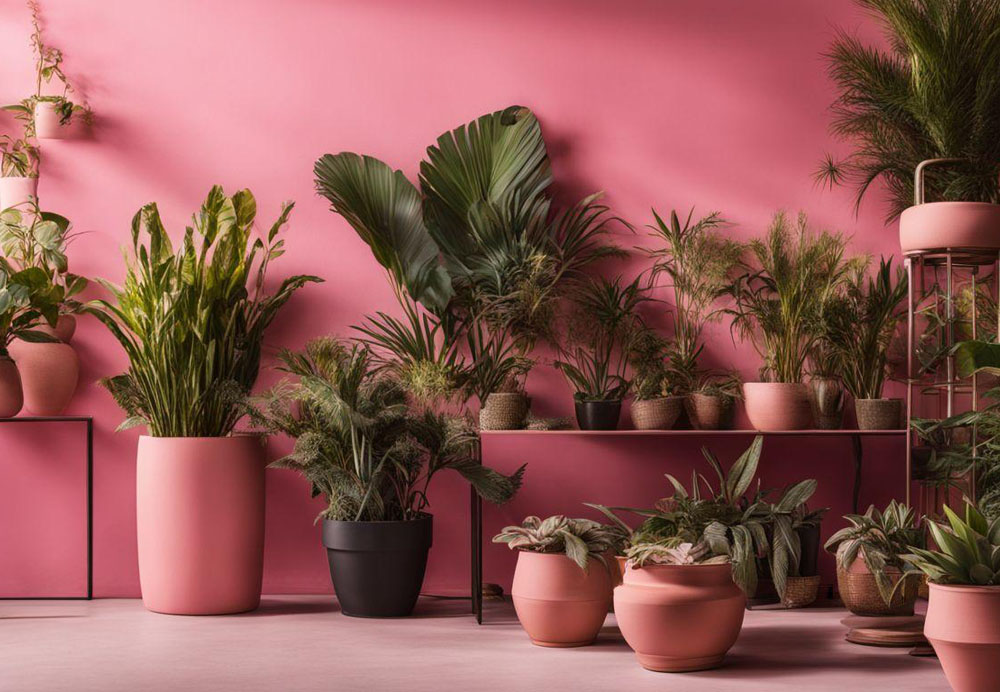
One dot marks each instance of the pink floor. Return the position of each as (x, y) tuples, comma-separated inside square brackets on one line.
[(302, 643)]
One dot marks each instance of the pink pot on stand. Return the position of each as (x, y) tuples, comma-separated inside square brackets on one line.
[(679, 618), (17, 191), (65, 328), (49, 375), (200, 523), (778, 405), (963, 626), (11, 396), (558, 604)]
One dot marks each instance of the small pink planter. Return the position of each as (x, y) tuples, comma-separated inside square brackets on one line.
[(943, 225), (11, 396), (200, 523), (963, 626), (558, 604), (778, 405), (679, 618), (47, 122), (16, 191), (49, 375)]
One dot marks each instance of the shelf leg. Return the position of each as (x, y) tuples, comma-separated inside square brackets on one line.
[(856, 492)]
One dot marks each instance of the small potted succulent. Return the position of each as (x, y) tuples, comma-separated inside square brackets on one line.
[(655, 406), (563, 579), (964, 606), (19, 161), (872, 576)]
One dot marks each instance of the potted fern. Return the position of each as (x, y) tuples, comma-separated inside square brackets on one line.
[(360, 443), (655, 404), (19, 161), (563, 579), (192, 322)]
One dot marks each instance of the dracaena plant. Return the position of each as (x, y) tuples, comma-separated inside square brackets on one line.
[(968, 550), (359, 443), (19, 158), (782, 517), (192, 321), (27, 300), (578, 539)]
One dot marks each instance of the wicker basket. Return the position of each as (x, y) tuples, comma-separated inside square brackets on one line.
[(710, 411), (861, 596), (656, 414), (800, 591), (879, 414), (503, 411)]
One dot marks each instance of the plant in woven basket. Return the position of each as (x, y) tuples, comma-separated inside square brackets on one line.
[(649, 354), (968, 550), (781, 519), (579, 539)]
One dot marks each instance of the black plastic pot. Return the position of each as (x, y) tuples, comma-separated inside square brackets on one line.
[(598, 415), (378, 567), (809, 540)]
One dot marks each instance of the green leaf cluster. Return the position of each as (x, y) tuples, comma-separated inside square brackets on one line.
[(968, 550), (579, 539)]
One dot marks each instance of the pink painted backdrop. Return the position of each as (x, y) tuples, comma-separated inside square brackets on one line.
[(721, 104)]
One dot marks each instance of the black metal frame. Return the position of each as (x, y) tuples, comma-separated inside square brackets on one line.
[(90, 503), (476, 504)]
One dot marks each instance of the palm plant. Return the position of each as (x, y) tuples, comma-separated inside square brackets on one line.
[(192, 321), (780, 302), (578, 539), (933, 93)]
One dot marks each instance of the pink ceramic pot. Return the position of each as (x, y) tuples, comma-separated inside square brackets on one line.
[(559, 604), (941, 225), (16, 191), (778, 405), (11, 396), (47, 122), (64, 330), (679, 617), (49, 374), (963, 626), (200, 523)]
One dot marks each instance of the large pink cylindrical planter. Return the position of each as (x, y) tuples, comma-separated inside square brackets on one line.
[(200, 523), (48, 124), (16, 191), (49, 375), (11, 396), (679, 618), (778, 405), (942, 225), (558, 604), (963, 626)]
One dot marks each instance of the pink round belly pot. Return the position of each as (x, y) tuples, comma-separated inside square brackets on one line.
[(778, 405), (200, 523), (558, 604), (15, 191), (679, 618), (963, 626), (943, 225), (11, 397), (49, 374)]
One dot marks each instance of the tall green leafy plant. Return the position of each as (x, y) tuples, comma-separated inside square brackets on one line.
[(27, 300), (192, 321)]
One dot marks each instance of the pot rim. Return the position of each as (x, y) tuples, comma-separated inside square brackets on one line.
[(424, 517), (882, 398), (597, 401), (727, 565), (660, 398), (775, 384), (967, 588), (232, 436), (19, 177), (953, 203)]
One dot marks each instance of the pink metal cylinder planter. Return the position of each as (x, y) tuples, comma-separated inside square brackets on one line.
[(963, 626), (48, 124), (16, 191), (200, 523)]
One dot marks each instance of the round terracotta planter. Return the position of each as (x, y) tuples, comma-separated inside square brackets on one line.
[(558, 604), (710, 411), (11, 395), (49, 375), (859, 591), (200, 523), (963, 626), (942, 225), (16, 191), (778, 405), (827, 395), (47, 122), (679, 618), (656, 414), (879, 414), (503, 411)]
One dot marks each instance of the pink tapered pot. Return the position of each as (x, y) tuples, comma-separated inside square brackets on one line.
[(47, 122), (778, 405), (963, 626), (11, 397), (49, 375), (16, 191), (942, 225), (558, 604), (679, 618), (200, 523)]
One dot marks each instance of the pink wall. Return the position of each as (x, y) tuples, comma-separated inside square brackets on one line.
[(714, 103)]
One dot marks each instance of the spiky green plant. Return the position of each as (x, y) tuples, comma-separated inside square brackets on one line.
[(932, 93), (192, 321), (968, 550), (578, 539)]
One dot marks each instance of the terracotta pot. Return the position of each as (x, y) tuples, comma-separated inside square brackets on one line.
[(656, 414), (64, 330), (859, 591), (778, 405), (679, 617), (940, 225), (47, 122), (558, 604), (49, 374), (11, 395), (963, 626), (827, 395), (621, 562), (16, 191), (879, 414), (710, 411), (503, 411), (200, 523)]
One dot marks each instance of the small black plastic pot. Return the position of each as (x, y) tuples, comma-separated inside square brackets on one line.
[(598, 415), (809, 540), (378, 567)]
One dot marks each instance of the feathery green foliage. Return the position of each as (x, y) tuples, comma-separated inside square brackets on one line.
[(578, 539)]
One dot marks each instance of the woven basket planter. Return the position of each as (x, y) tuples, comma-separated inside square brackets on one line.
[(861, 596), (503, 411), (656, 414), (879, 414), (800, 592), (710, 411)]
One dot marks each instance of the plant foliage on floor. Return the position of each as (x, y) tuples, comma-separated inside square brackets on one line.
[(578, 539)]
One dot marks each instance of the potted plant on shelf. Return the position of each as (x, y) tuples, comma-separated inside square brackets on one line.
[(964, 605), (712, 404), (496, 378), (655, 406), (192, 322), (563, 580), (19, 161), (826, 386), (871, 574), (778, 307), (360, 443), (601, 331)]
